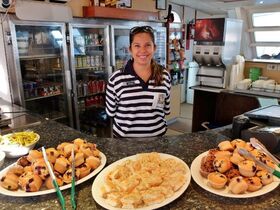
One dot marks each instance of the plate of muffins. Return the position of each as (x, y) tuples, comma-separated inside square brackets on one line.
[(29, 175), (223, 171), (142, 181)]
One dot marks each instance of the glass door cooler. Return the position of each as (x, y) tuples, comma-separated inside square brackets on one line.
[(89, 47), (39, 72)]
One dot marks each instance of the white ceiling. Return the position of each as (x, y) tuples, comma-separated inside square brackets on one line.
[(222, 6)]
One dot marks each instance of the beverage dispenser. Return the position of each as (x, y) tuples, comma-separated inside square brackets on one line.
[(217, 41)]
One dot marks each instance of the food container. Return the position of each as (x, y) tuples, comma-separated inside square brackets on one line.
[(2, 157), (243, 84)]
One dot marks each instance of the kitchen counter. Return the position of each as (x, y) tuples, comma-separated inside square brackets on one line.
[(186, 147)]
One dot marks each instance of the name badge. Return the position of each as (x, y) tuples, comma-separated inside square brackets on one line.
[(158, 101)]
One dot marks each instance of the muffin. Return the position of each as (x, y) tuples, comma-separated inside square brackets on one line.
[(34, 155), (206, 165), (236, 158), (222, 164), (30, 182), (225, 146), (231, 173), (61, 164), (93, 162), (83, 169), (254, 183), (52, 154), (223, 154), (266, 177), (247, 168), (49, 182), (40, 168), (9, 181), (217, 180), (238, 185), (23, 161)]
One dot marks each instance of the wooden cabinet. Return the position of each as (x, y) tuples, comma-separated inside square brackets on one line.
[(219, 108)]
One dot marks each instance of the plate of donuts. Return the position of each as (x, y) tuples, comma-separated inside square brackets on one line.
[(29, 175), (236, 187), (142, 181)]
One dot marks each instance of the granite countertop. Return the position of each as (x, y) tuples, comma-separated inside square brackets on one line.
[(186, 146)]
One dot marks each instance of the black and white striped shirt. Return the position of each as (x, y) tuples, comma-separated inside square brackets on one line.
[(138, 108)]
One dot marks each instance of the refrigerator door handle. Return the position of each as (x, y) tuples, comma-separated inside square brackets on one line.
[(68, 80)]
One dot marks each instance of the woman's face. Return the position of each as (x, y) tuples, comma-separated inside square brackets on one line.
[(142, 49)]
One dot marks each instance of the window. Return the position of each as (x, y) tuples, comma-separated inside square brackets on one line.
[(266, 34), (177, 18)]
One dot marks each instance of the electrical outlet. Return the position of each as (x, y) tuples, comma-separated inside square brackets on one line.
[(272, 67)]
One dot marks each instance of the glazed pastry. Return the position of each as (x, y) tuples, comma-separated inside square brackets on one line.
[(23, 161), (254, 183), (266, 177), (61, 164), (34, 155), (84, 170), (225, 146), (247, 168), (40, 169), (16, 169), (49, 181), (93, 162), (222, 164), (52, 154), (238, 185), (30, 182), (217, 180), (9, 181)]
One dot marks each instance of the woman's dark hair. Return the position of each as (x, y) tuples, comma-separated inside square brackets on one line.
[(156, 68)]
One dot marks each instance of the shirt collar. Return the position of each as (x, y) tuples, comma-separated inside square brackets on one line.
[(128, 69)]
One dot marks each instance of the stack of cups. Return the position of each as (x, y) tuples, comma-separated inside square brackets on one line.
[(254, 73)]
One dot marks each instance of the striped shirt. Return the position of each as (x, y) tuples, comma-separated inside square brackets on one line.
[(138, 108)]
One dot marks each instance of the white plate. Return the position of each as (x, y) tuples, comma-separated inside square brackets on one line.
[(202, 182), (16, 150), (99, 181), (21, 193)]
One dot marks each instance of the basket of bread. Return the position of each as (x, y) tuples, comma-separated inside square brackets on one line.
[(30, 174)]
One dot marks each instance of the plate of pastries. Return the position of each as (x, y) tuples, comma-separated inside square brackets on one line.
[(223, 171), (29, 175), (142, 181)]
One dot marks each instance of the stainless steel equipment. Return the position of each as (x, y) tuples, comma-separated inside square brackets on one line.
[(217, 41), (38, 67)]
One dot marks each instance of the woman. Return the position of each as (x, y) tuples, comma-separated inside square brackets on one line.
[(138, 96)]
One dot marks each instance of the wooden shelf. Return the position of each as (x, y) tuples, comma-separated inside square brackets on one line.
[(116, 13)]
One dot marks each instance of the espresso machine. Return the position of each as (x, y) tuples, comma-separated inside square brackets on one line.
[(216, 42)]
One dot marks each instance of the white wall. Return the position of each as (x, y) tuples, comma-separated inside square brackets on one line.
[(4, 81)]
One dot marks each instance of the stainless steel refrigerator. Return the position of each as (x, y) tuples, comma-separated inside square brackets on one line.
[(40, 78), (90, 60)]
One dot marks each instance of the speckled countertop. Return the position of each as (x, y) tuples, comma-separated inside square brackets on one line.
[(186, 147)]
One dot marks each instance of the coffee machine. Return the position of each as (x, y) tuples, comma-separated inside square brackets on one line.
[(216, 42)]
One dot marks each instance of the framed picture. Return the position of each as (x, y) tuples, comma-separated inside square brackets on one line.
[(161, 4), (124, 3)]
